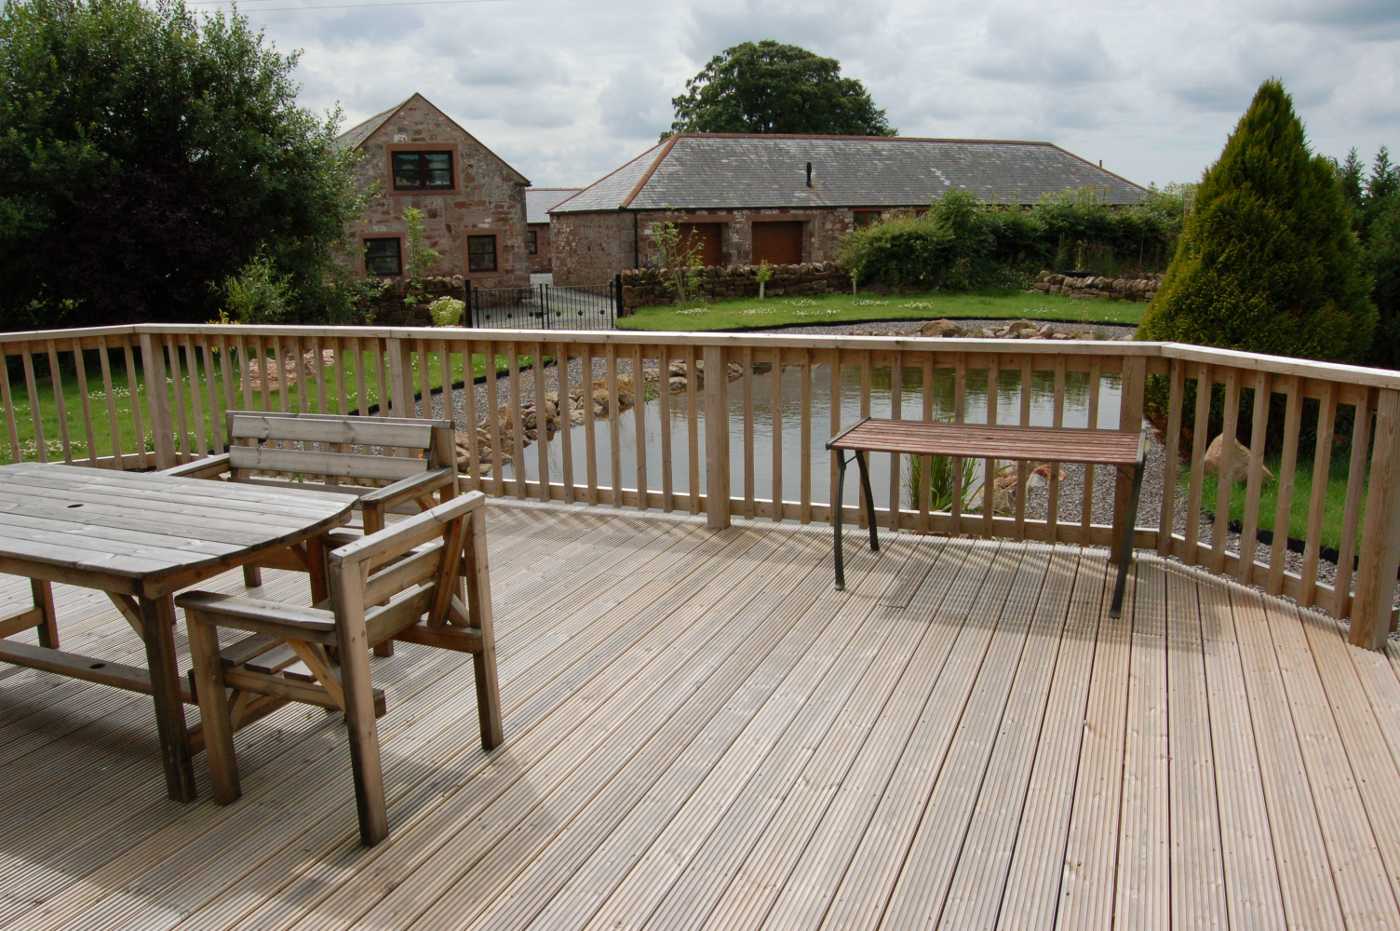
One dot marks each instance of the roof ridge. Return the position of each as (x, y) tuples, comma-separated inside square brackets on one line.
[(854, 138), (646, 175)]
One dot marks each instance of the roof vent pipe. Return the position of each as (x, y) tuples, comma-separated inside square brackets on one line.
[(809, 174)]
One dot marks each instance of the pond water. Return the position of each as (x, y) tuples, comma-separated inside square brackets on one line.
[(1076, 414)]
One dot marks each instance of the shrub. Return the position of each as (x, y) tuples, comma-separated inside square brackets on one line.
[(447, 311), (1267, 261), (258, 294)]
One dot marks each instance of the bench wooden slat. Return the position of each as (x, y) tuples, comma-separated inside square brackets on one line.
[(341, 465), (320, 428), (974, 441)]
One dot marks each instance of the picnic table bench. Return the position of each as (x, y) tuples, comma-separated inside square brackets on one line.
[(1120, 449)]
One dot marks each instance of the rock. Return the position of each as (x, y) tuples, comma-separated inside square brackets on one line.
[(941, 328), (1019, 328), (1239, 459)]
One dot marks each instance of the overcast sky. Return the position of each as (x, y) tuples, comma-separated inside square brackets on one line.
[(567, 91)]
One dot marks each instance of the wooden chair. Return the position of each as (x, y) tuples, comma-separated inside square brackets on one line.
[(38, 615), (400, 583), (416, 457)]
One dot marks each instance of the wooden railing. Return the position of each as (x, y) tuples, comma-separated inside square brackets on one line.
[(163, 391)]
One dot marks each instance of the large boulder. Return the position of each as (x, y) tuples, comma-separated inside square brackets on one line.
[(1239, 459), (941, 328)]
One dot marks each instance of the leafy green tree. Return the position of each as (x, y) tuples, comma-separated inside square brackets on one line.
[(147, 156), (1267, 261), (1349, 174), (769, 87)]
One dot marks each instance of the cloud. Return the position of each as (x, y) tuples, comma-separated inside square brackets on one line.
[(1023, 51)]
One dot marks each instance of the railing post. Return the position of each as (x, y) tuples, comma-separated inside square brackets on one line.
[(716, 439), (1129, 421), (1380, 534), (153, 371), (400, 377)]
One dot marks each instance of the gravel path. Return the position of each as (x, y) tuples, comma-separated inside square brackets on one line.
[(1071, 483)]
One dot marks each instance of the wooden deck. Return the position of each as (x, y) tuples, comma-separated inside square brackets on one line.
[(700, 732)]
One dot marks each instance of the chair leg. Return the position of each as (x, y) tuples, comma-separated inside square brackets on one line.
[(252, 576), (384, 649), (869, 500), (836, 505), (214, 713), (476, 567), (364, 737)]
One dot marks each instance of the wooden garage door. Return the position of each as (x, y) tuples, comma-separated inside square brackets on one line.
[(779, 243), (707, 235)]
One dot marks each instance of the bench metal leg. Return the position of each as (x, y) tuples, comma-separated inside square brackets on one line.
[(1125, 547), (836, 519), (869, 500)]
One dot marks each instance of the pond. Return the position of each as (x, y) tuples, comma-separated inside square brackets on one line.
[(1076, 414)]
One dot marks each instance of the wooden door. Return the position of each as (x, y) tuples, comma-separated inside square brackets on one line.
[(707, 236), (779, 243)]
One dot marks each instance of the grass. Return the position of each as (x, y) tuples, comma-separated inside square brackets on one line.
[(751, 313), (1298, 506), (302, 395)]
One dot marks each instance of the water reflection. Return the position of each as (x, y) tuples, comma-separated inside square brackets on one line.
[(1008, 407)]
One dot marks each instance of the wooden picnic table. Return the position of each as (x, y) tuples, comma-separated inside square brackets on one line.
[(140, 538), (1123, 450)]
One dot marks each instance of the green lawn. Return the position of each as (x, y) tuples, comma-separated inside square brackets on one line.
[(1298, 506), (300, 396), (751, 313)]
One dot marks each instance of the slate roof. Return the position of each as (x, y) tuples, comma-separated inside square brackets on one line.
[(730, 171), (538, 200)]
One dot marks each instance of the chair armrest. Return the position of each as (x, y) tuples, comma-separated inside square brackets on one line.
[(406, 489), (259, 615), (208, 467)]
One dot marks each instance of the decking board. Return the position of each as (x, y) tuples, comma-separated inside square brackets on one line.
[(700, 732)]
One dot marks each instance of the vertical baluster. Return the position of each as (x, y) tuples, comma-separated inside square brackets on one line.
[(1317, 501), (60, 403), (104, 364), (663, 387), (614, 441), (196, 398), (1200, 439), (692, 413), (211, 390), (1086, 508), (493, 420), (1292, 423), (805, 450), (41, 446), (84, 402), (747, 356), (959, 398), (639, 424), (1351, 510), (1372, 612), (133, 390), (517, 418), (226, 398), (11, 428), (382, 377), (280, 367), (177, 380), (590, 433), (247, 398), (776, 408), (896, 413), (1258, 428), (566, 418), (542, 422), (926, 372), (361, 389), (1166, 521), (425, 380), (1052, 505), (474, 482), (1023, 468), (835, 426), (989, 473), (866, 386), (1223, 484)]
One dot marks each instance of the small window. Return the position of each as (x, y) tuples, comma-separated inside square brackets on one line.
[(481, 253), (532, 241), (864, 218), (382, 257), (422, 171)]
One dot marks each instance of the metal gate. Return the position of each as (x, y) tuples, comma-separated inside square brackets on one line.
[(546, 307)]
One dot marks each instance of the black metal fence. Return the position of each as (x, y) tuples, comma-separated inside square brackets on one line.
[(546, 307)]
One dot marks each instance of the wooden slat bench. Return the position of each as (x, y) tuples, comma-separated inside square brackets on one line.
[(1121, 449)]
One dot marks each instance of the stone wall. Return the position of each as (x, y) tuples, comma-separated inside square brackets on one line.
[(540, 258), (589, 248), (645, 287), (1119, 289), (389, 309), (488, 197)]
